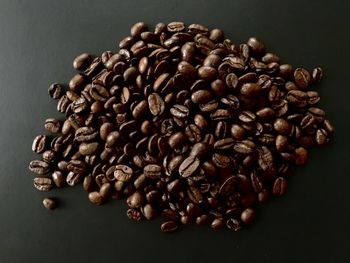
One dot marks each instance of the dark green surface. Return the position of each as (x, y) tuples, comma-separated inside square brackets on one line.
[(38, 42)]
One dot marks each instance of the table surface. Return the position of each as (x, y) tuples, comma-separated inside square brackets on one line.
[(39, 39)]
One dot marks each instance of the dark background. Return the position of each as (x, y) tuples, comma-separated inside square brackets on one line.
[(39, 39)]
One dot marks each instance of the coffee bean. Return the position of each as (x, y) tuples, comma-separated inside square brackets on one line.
[(189, 166), (135, 200), (137, 29), (233, 224), (49, 156), (58, 179), (63, 103), (55, 91), (302, 78), (228, 186), (88, 148), (96, 198), (317, 74), (49, 203), (256, 45), (43, 184), (123, 173), (82, 61), (53, 125), (175, 27), (250, 89), (39, 167), (248, 216), (279, 186), (156, 104), (85, 134), (73, 178), (152, 171), (39, 144), (201, 96), (168, 226)]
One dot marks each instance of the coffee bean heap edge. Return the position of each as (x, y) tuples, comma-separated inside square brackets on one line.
[(183, 123)]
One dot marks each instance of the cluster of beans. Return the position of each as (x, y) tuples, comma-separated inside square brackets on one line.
[(183, 123)]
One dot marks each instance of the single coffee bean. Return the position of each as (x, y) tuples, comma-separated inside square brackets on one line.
[(58, 179), (55, 91), (53, 125), (201, 96), (73, 178), (149, 212), (189, 166), (152, 171), (248, 216), (96, 198), (135, 200), (279, 186), (88, 148), (49, 156), (168, 226), (39, 144), (123, 173), (302, 78), (49, 203), (39, 167), (256, 45), (82, 61), (175, 27), (233, 224), (156, 104), (250, 89), (317, 75), (137, 29), (43, 184), (77, 82)]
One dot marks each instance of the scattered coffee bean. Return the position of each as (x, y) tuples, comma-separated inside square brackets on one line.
[(49, 203)]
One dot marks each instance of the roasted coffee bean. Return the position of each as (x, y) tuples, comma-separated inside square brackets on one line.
[(39, 144), (123, 173), (88, 148), (82, 61), (201, 96), (256, 45), (156, 104), (49, 156), (55, 91), (317, 74), (77, 82), (168, 226), (279, 186), (233, 224), (63, 103), (39, 167), (43, 184), (250, 89), (85, 134), (73, 178), (248, 216), (58, 178), (49, 203), (152, 171), (96, 198), (189, 166), (175, 27), (302, 78), (53, 125)]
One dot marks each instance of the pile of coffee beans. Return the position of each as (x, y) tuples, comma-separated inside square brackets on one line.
[(183, 123)]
